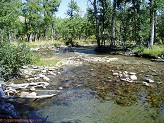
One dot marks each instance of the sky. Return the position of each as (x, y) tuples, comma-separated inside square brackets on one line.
[(64, 7)]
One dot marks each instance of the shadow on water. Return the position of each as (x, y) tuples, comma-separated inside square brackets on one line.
[(84, 50), (92, 94)]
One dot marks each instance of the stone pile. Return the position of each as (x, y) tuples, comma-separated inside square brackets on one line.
[(125, 76)]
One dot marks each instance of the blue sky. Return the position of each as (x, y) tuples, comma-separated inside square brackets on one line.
[(64, 7)]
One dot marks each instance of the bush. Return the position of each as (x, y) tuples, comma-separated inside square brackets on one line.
[(139, 50), (12, 58)]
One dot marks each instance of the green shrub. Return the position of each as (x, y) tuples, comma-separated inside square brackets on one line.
[(12, 58), (139, 49)]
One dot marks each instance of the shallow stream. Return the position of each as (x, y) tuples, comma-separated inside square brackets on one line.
[(91, 94)]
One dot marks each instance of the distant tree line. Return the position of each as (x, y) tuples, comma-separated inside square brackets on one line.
[(118, 21), (139, 21)]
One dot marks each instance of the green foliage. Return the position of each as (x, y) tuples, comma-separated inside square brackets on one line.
[(139, 50), (73, 9), (12, 58), (155, 51)]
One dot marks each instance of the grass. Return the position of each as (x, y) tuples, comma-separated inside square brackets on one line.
[(45, 43), (47, 61), (44, 60), (155, 51)]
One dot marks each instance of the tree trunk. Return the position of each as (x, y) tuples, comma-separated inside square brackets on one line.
[(35, 37), (113, 23), (52, 32), (30, 37), (97, 23), (152, 24)]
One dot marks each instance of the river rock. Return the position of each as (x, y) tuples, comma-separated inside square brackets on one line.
[(133, 77), (23, 94), (44, 71), (115, 74), (33, 94), (150, 80), (45, 78), (147, 84), (32, 89), (60, 88), (132, 73)]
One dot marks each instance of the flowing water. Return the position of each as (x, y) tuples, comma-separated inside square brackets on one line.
[(91, 94)]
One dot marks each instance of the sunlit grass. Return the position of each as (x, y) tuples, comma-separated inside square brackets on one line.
[(46, 43), (155, 51), (47, 61)]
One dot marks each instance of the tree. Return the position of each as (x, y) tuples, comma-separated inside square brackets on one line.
[(9, 12), (50, 8), (32, 11), (113, 23), (73, 13), (73, 9), (96, 19), (152, 23)]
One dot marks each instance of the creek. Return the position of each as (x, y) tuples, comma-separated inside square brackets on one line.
[(89, 93)]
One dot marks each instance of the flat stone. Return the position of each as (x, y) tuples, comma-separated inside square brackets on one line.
[(133, 77), (45, 78), (115, 74), (123, 79), (23, 94), (132, 73), (32, 89), (44, 71), (60, 88), (147, 84), (150, 80)]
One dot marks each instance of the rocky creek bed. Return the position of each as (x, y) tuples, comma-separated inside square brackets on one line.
[(96, 88)]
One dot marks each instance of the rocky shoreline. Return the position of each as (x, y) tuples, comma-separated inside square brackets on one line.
[(43, 77)]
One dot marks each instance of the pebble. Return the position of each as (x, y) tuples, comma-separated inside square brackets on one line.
[(32, 89), (60, 88), (45, 78), (147, 84), (133, 77), (115, 74), (132, 73), (150, 80), (44, 71)]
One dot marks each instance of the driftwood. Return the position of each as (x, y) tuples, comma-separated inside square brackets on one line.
[(25, 85), (37, 97), (13, 89)]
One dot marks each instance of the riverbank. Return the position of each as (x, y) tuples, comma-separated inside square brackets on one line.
[(115, 80), (156, 53)]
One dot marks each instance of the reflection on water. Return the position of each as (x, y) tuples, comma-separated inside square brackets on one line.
[(102, 97)]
